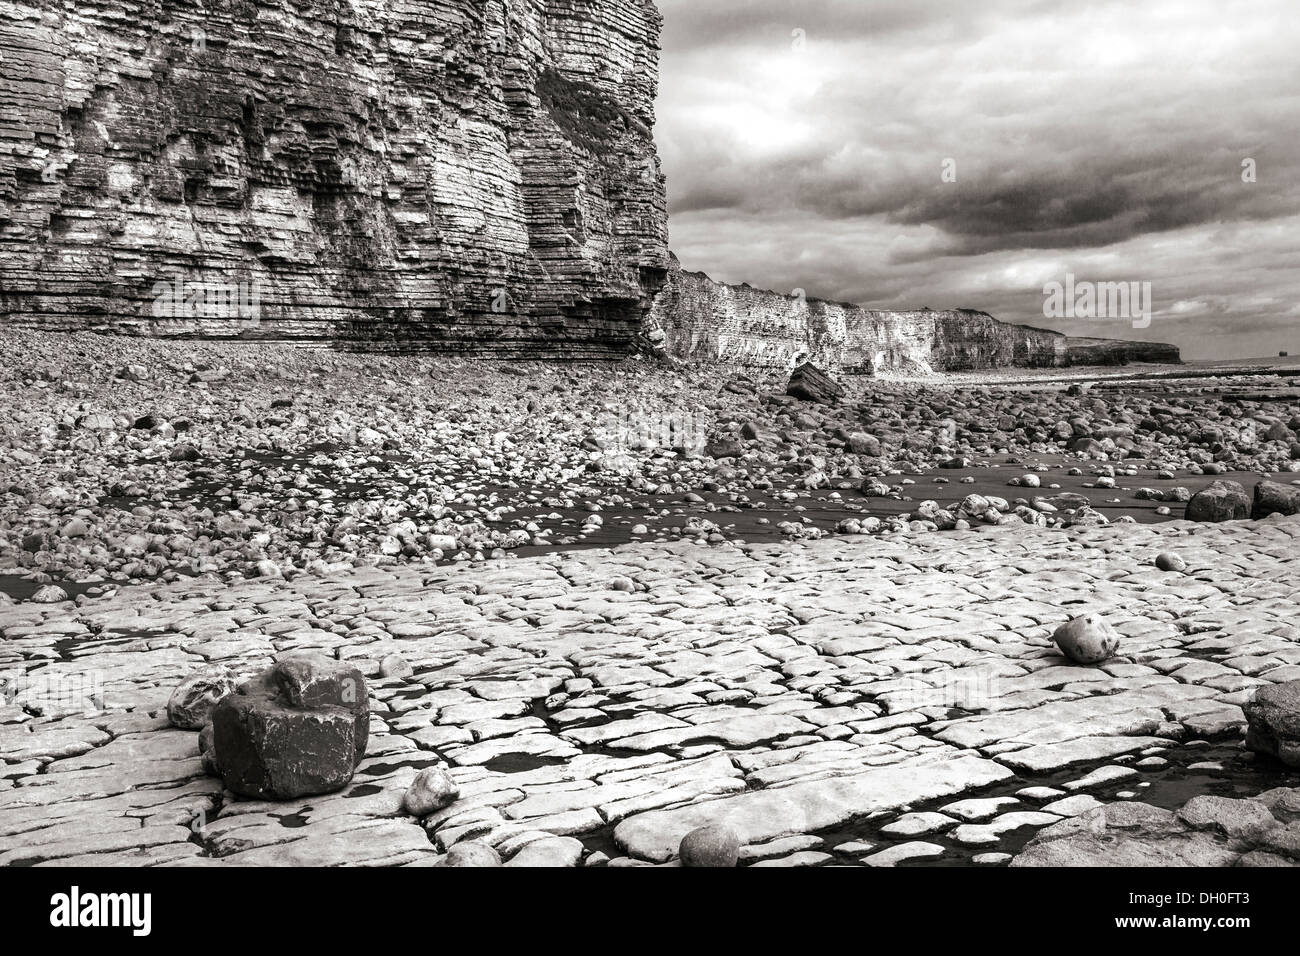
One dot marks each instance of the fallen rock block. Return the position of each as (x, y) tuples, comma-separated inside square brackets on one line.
[(808, 383), (299, 729)]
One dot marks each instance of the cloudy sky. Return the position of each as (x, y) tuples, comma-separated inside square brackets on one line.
[(805, 143)]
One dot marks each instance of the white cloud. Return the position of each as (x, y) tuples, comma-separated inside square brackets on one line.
[(1104, 139)]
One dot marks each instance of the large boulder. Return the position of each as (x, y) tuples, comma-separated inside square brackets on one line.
[(191, 703), (1221, 501), (433, 789), (1273, 498), (1274, 722), (299, 729), (808, 383)]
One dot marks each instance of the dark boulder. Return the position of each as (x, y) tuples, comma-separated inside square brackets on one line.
[(1273, 498), (299, 729), (1222, 501), (1274, 717), (808, 383)]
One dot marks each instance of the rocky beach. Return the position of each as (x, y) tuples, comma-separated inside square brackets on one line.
[(379, 489), (600, 606)]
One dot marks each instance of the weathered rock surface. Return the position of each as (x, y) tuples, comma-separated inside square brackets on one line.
[(433, 789), (807, 807), (463, 175), (808, 383), (1208, 831), (808, 693)]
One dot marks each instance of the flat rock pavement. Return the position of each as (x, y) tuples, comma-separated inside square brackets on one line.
[(809, 695)]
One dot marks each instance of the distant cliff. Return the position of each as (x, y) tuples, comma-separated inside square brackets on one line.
[(698, 319), (476, 175)]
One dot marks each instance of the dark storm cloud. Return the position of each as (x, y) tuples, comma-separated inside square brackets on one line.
[(1105, 133)]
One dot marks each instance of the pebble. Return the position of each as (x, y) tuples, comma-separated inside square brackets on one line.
[(190, 705), (49, 594), (711, 846), (1171, 562)]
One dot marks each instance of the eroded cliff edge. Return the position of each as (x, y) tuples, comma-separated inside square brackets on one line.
[(699, 319), (478, 175)]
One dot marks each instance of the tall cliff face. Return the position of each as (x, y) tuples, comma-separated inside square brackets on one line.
[(702, 320), (470, 174)]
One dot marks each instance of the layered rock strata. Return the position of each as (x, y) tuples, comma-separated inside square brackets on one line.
[(475, 175)]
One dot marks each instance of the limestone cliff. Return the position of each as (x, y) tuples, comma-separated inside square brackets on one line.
[(699, 319), (470, 174)]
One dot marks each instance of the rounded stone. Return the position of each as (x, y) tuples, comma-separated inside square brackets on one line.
[(190, 705), (49, 594), (1171, 562), (716, 846), (1088, 639), (432, 789), (395, 665), (471, 854)]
